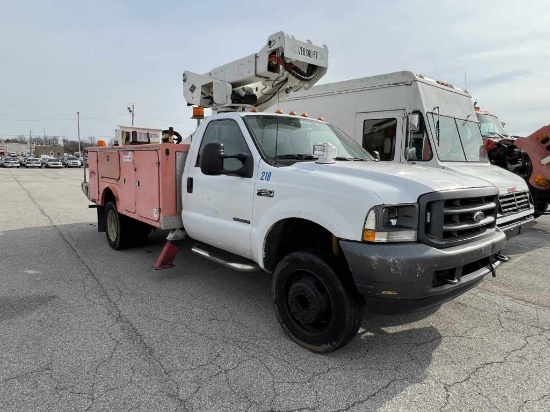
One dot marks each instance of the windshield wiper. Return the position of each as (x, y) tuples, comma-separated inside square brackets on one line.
[(350, 158), (495, 133), (297, 157)]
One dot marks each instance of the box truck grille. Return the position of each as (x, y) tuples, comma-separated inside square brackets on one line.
[(513, 203), (453, 218)]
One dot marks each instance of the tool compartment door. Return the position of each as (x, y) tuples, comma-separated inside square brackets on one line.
[(93, 185), (128, 182), (147, 183)]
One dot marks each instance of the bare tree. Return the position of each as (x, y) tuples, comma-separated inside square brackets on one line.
[(92, 140), (22, 139), (38, 140)]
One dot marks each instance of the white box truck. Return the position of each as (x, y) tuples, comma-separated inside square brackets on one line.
[(405, 117)]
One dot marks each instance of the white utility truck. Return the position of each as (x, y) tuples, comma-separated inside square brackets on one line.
[(410, 118), (299, 199)]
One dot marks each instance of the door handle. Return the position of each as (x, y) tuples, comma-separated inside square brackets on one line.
[(189, 185)]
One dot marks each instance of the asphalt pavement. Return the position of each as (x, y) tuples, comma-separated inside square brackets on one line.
[(87, 328)]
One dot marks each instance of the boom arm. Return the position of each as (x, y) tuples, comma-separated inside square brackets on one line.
[(283, 65)]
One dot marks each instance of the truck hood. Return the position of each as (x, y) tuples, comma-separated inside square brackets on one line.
[(503, 179), (392, 182)]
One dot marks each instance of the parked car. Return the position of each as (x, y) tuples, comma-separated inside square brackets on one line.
[(53, 162), (71, 161), (44, 160), (10, 162), (32, 162)]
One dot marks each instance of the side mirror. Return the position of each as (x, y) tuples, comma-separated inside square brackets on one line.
[(212, 156), (376, 155), (414, 122)]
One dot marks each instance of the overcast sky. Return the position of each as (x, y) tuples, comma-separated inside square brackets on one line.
[(58, 57)]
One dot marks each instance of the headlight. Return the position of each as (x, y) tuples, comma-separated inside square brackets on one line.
[(398, 223)]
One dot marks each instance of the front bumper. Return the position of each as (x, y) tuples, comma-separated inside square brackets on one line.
[(407, 277), (516, 227)]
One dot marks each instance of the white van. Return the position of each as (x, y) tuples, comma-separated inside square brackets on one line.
[(405, 117)]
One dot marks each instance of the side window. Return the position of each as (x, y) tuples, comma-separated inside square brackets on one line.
[(228, 133), (379, 135), (418, 147)]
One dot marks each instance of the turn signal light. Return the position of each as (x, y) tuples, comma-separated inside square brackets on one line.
[(279, 111), (369, 235), (541, 180)]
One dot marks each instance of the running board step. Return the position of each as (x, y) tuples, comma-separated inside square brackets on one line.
[(225, 258)]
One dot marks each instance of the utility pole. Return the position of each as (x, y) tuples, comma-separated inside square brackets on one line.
[(78, 117), (30, 143), (131, 110)]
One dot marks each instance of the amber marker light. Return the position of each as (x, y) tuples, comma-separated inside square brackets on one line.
[(279, 111), (292, 113), (198, 112), (541, 180)]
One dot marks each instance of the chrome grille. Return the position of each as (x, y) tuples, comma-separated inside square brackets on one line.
[(453, 218), (512, 203), (468, 216)]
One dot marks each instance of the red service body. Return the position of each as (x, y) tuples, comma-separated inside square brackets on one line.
[(144, 180)]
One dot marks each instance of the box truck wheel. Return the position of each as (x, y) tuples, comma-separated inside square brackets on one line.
[(117, 228), (316, 308)]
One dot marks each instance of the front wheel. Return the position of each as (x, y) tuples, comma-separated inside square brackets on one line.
[(540, 208), (116, 228), (316, 307)]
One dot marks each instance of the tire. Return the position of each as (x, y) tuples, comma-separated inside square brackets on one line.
[(318, 309), (540, 208), (117, 228)]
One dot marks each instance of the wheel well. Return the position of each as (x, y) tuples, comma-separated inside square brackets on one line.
[(293, 234), (108, 196)]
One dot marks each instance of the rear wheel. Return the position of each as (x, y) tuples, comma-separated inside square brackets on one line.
[(316, 307), (117, 228)]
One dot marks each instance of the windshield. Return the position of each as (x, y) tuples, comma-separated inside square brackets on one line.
[(292, 138), (490, 125), (457, 140)]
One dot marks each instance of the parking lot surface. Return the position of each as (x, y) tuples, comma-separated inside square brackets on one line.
[(87, 328)]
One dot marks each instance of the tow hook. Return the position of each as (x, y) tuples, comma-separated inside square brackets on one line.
[(501, 257)]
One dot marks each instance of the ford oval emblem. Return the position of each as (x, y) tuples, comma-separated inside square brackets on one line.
[(478, 216)]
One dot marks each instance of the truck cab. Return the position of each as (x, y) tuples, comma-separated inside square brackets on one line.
[(405, 117)]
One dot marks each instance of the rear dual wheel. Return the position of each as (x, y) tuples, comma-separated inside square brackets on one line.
[(318, 308), (123, 232)]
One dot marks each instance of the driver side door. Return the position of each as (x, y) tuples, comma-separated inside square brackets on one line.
[(381, 132)]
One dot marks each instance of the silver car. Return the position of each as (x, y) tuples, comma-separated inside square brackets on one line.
[(10, 162), (32, 162), (72, 161), (51, 162)]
